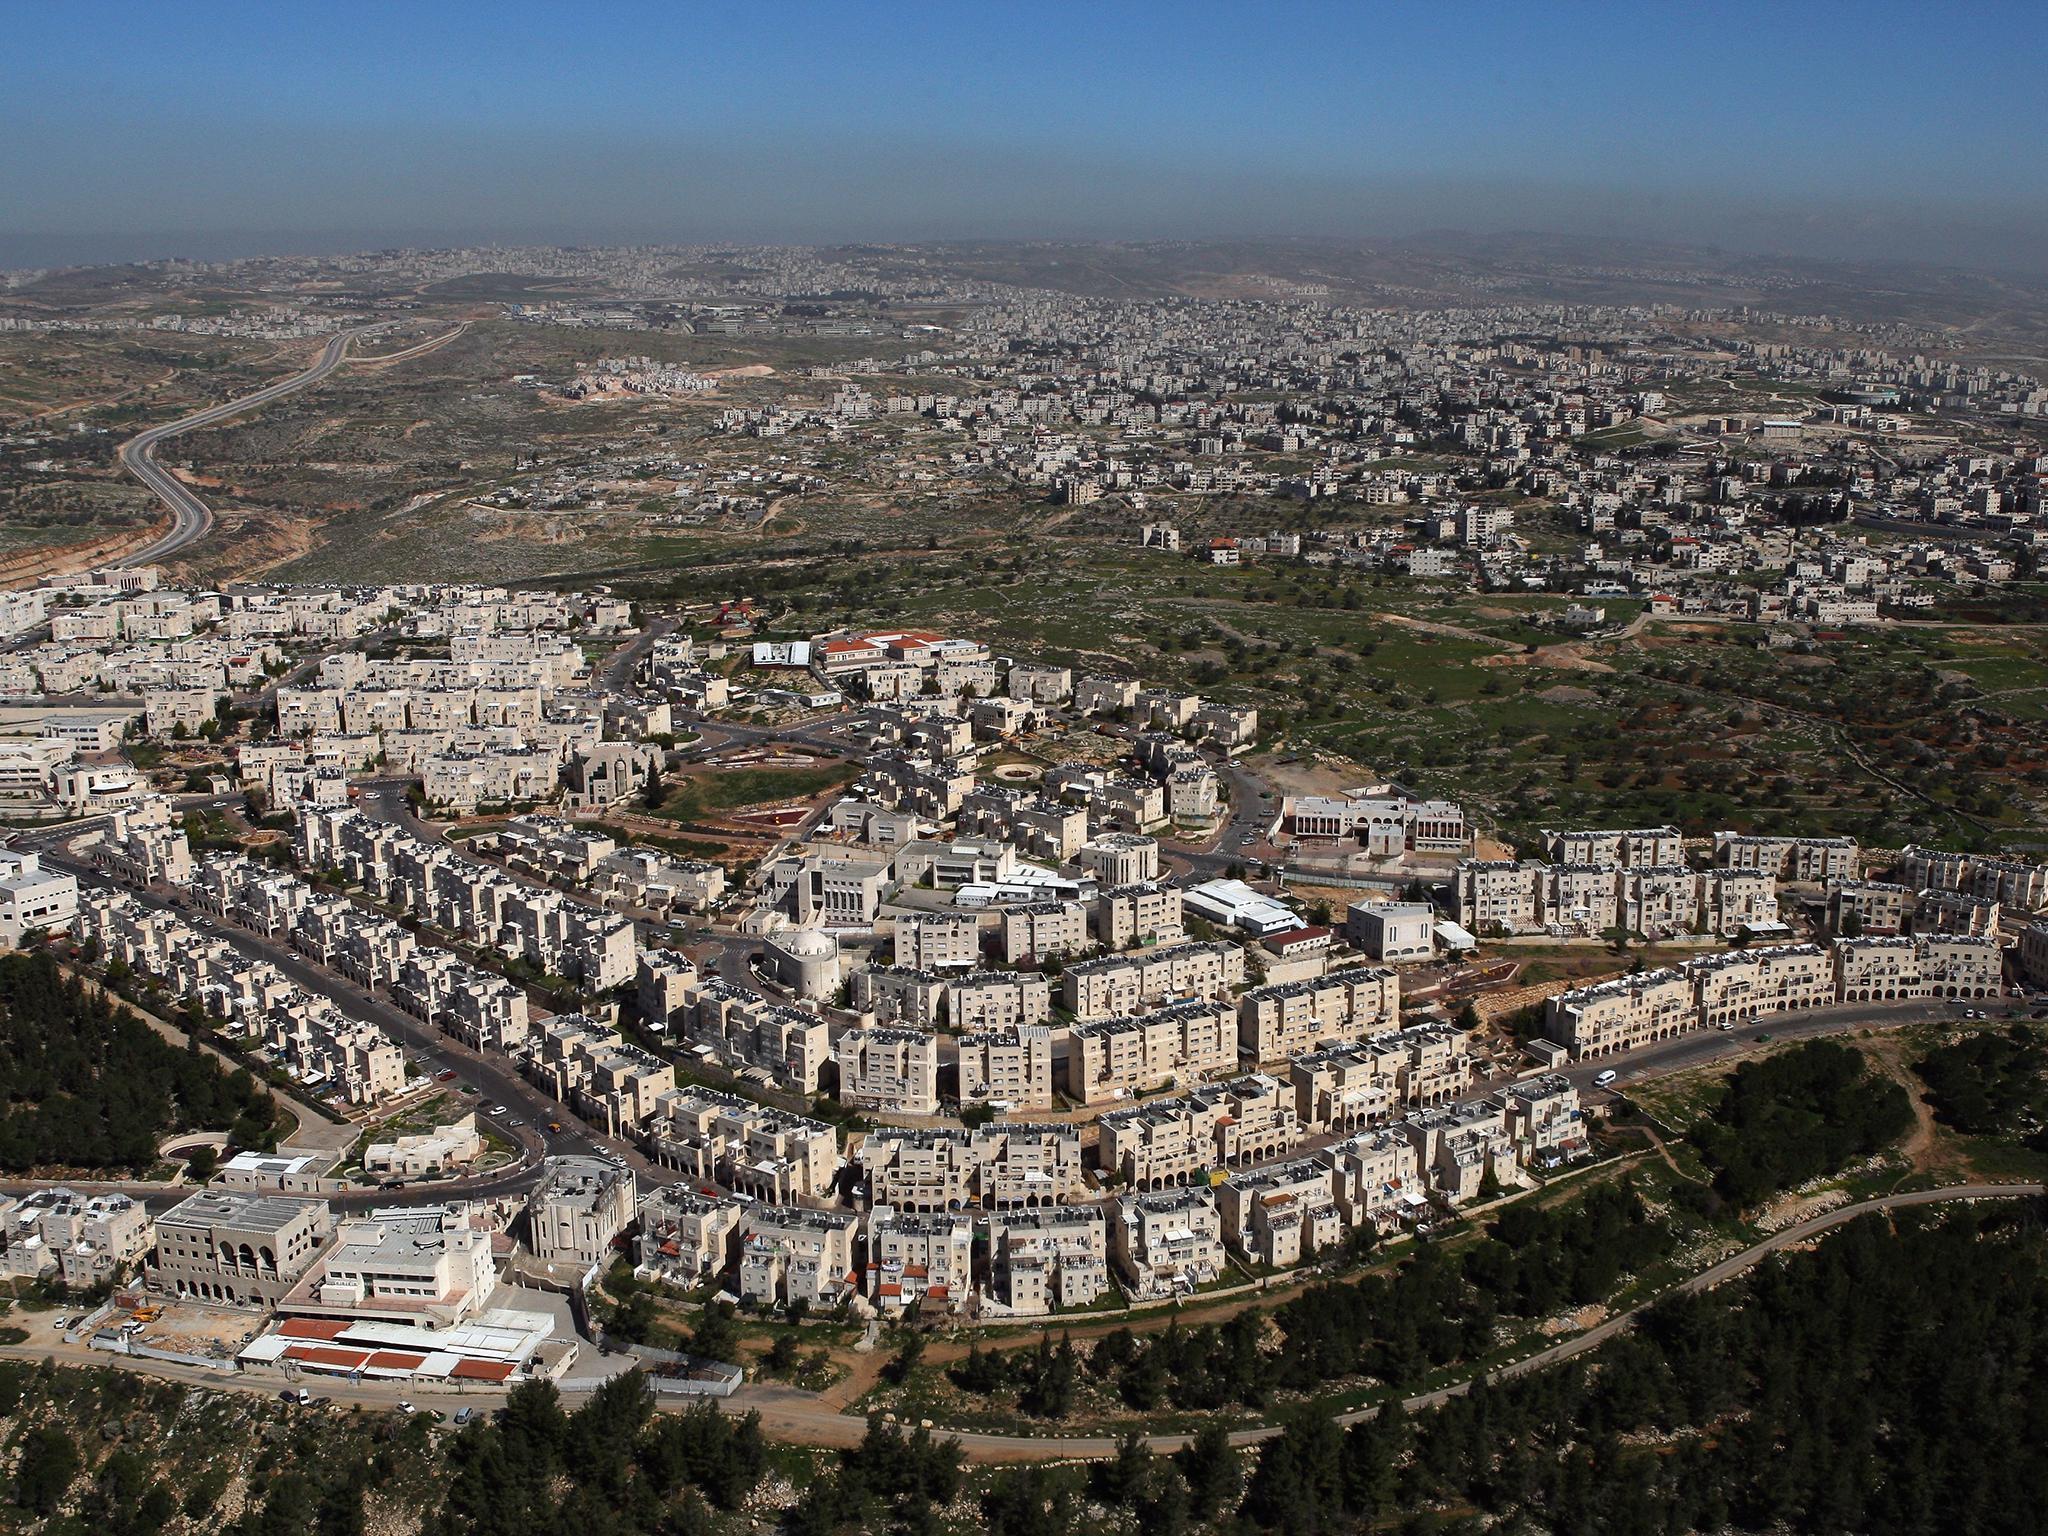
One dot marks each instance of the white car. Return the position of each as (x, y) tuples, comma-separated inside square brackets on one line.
[(405, 1407), (1604, 1079)]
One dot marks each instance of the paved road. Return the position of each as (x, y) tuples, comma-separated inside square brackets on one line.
[(191, 518), (493, 1077), (791, 1415), (788, 1414)]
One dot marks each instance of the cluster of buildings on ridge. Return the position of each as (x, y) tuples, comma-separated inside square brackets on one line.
[(984, 968)]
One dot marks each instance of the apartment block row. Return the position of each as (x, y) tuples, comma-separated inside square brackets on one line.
[(998, 1166), (327, 1051), (2011, 882), (1741, 986), (1256, 1117), (593, 862), (1884, 907), (973, 1000), (1589, 899), (1123, 983), (547, 929)]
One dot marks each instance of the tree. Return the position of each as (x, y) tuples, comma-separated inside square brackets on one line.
[(1210, 1467), (1031, 1501), (717, 1334), (654, 794), (1120, 1480), (908, 1354), (49, 1461), (1298, 1484)]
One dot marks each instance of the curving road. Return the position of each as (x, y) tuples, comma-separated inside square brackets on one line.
[(191, 518), (787, 1414), (791, 1415)]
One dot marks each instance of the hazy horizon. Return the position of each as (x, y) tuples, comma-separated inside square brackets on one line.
[(1869, 132)]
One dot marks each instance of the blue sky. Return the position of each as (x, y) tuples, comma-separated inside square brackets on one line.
[(1805, 126)]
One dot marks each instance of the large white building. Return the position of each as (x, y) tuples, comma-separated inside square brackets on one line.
[(33, 898)]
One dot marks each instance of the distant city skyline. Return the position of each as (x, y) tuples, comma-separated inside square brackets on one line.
[(1871, 131)]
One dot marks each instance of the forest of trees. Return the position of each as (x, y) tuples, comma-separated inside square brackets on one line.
[(1796, 1116), (1988, 1083), (1783, 1120), (1440, 1306), (1890, 1381), (84, 1083), (611, 1468)]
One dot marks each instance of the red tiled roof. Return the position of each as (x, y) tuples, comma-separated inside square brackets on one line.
[(393, 1360), (312, 1328), (314, 1354)]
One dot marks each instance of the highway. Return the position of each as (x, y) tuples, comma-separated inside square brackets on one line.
[(191, 518)]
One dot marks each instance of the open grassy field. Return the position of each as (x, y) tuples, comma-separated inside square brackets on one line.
[(729, 789), (1927, 733)]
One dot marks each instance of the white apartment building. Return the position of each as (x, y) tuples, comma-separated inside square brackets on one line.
[(1041, 929), (1287, 1018), (937, 941), (1011, 1067), (1631, 848), (1144, 913), (1049, 1258), (1121, 984), (686, 1239), (1802, 860), (1167, 1243), (889, 1069), (791, 1253), (918, 1260), (764, 1153), (1112, 1059)]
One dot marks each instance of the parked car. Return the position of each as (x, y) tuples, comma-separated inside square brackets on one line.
[(464, 1415), (1605, 1078)]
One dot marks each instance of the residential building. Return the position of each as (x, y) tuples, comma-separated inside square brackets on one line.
[(792, 1254), (1167, 1242), (890, 1069), (1010, 1067), (687, 1239)]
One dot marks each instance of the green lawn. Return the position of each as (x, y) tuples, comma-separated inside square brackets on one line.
[(733, 788)]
